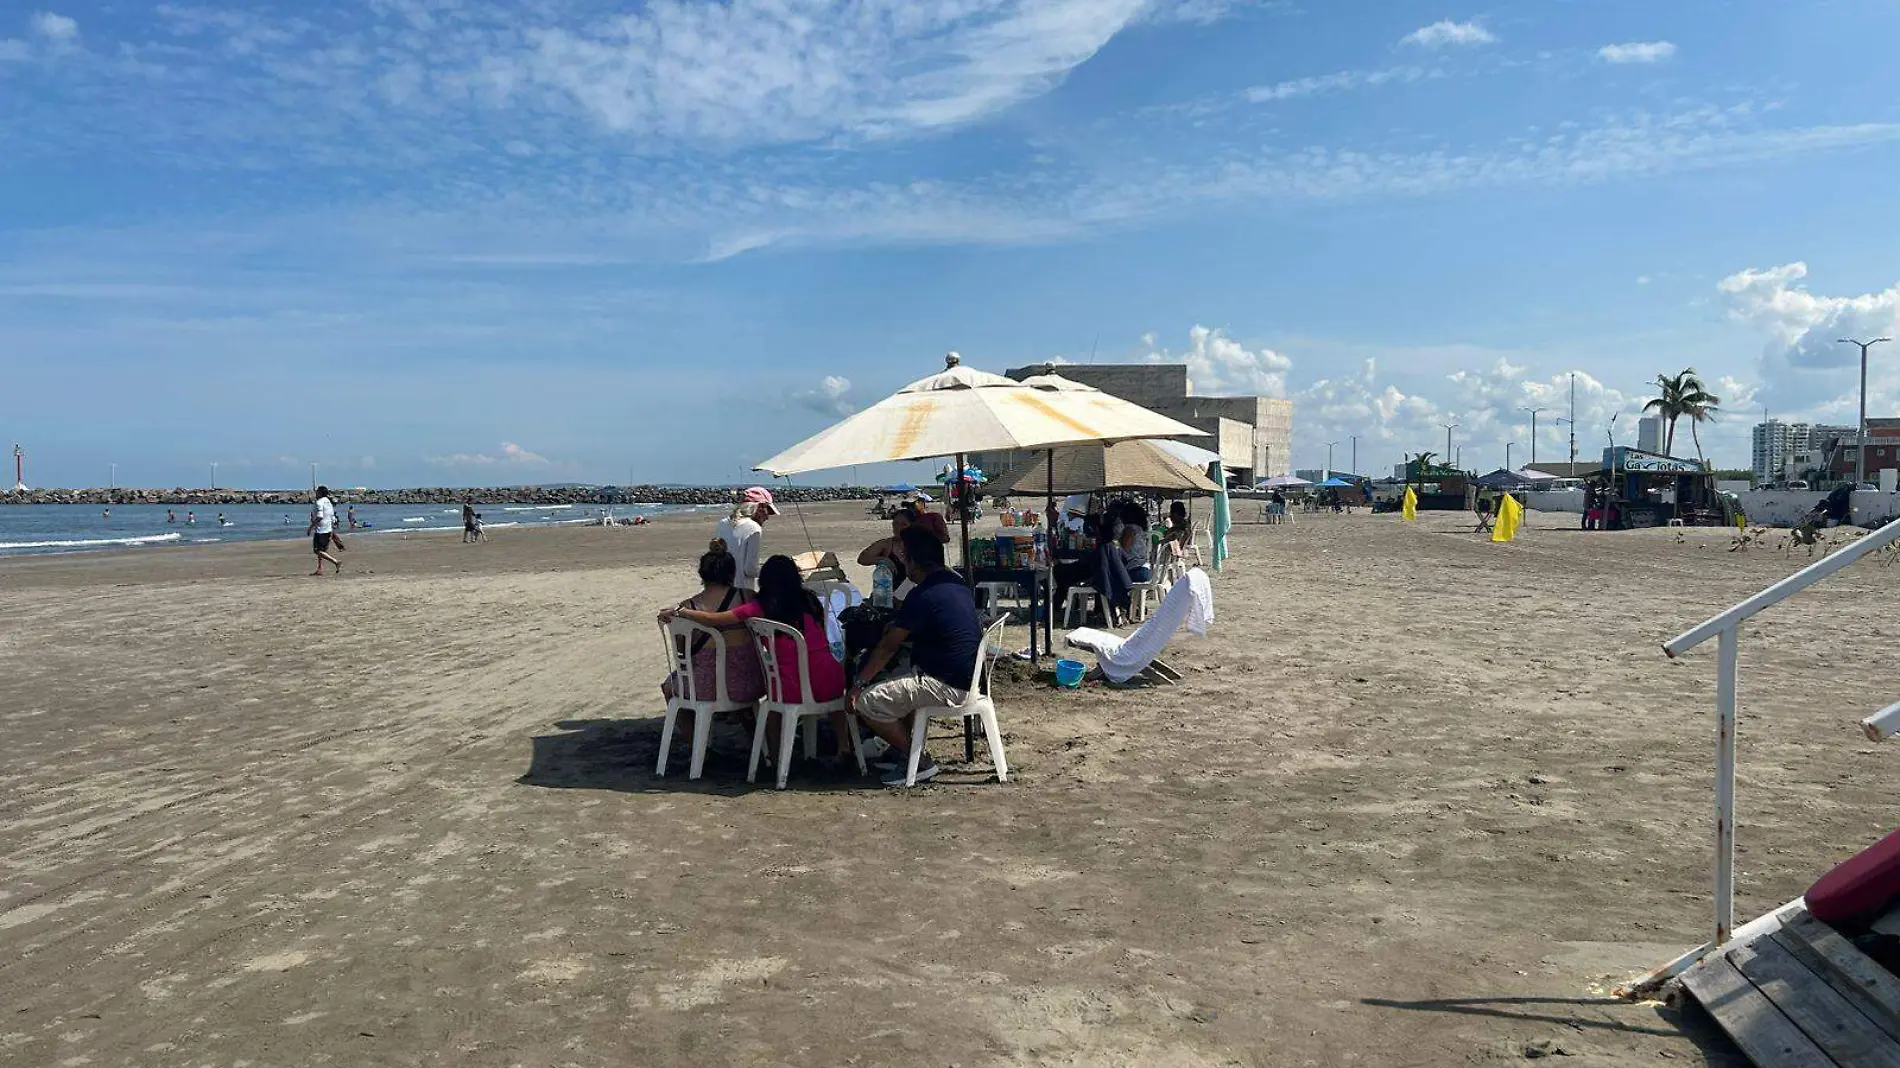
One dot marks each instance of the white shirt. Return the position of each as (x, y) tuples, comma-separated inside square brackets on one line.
[(325, 514), (742, 540)]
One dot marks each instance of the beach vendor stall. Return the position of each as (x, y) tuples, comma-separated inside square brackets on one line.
[(1644, 489)]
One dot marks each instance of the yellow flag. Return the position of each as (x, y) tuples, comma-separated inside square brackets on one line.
[(1411, 505), (1510, 515)]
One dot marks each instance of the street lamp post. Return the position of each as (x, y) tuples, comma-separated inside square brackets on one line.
[(1329, 459), (1533, 412), (1860, 429), (1449, 427), (1507, 454), (214, 475), (1355, 456)]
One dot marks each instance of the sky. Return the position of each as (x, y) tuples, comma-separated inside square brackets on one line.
[(446, 242)]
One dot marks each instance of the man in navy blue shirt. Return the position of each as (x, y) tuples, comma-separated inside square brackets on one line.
[(939, 620)]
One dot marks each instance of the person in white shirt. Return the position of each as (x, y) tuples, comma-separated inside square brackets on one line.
[(322, 529), (744, 533)]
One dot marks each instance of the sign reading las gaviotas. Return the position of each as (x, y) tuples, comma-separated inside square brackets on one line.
[(1624, 458)]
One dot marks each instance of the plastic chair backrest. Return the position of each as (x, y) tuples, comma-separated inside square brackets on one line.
[(985, 662), (1165, 556), (679, 636), (766, 632)]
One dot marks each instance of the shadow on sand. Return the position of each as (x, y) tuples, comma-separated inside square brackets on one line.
[(1575, 1013), (620, 754)]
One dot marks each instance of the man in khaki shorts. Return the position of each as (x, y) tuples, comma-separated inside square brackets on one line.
[(939, 620)]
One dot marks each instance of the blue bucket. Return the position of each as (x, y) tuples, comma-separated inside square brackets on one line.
[(1069, 674)]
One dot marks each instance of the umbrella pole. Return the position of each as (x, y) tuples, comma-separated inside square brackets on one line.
[(1049, 572), (963, 519)]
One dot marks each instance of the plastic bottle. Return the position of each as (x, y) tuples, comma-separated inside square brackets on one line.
[(881, 587)]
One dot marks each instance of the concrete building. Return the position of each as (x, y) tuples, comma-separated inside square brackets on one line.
[(1650, 434), (1772, 444), (1254, 435)]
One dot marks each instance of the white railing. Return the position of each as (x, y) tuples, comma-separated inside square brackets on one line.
[(1724, 627)]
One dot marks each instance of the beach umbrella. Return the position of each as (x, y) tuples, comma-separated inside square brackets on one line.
[(1192, 454), (1223, 521), (963, 410), (1125, 465), (1336, 483), (1285, 482)]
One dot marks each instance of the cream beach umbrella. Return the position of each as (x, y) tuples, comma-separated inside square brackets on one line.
[(1123, 465), (963, 410)]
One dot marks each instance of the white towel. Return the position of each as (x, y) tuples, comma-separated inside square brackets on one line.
[(1190, 601), (1201, 614)]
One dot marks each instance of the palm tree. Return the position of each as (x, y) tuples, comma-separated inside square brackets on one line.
[(1698, 405), (1679, 395)]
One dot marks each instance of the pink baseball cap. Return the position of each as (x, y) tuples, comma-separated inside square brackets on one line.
[(761, 495)]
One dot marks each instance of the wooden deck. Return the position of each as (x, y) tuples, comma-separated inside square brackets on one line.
[(1802, 996)]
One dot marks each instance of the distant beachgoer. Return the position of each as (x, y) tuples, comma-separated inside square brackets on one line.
[(108, 514), (323, 530), (470, 529), (352, 517), (1180, 527), (286, 520), (191, 518), (172, 517), (223, 522), (744, 531)]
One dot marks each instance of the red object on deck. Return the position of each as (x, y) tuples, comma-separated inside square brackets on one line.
[(1859, 887)]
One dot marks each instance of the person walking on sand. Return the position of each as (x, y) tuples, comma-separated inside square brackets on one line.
[(323, 530), (744, 531), (470, 530)]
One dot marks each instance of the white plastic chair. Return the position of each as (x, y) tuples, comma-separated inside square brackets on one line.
[(765, 632), (975, 703), (679, 636), (1082, 597), (1167, 565)]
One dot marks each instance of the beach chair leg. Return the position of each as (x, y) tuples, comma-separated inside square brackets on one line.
[(1164, 672), (811, 739), (758, 746), (666, 739), (702, 736), (857, 743), (919, 729), (787, 740), (995, 735)]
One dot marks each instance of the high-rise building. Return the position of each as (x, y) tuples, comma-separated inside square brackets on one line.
[(1773, 442), (1649, 434)]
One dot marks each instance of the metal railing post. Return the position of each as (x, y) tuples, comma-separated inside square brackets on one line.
[(1725, 784)]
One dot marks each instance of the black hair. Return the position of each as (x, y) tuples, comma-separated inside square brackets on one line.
[(1178, 508), (718, 567), (783, 597), (921, 548), (323, 491)]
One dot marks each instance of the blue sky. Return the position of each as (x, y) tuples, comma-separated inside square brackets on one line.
[(433, 241)]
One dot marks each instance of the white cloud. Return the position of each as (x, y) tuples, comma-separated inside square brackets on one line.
[(1336, 82), (759, 72), (1637, 52), (511, 455), (1803, 364), (1220, 366), (1446, 33), (1395, 413), (830, 398), (55, 28)]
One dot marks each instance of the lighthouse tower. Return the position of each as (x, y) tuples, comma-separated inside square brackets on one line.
[(19, 469)]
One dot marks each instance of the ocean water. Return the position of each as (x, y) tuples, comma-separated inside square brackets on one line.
[(67, 528)]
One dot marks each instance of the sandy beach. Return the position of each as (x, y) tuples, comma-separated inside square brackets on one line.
[(1421, 799)]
